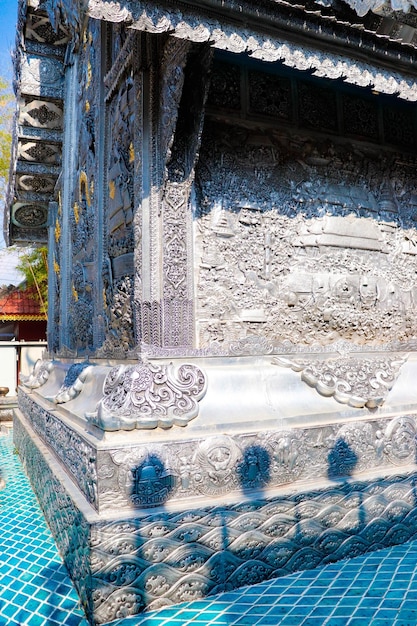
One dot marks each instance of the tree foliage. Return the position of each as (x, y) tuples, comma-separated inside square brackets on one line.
[(34, 266), (6, 120)]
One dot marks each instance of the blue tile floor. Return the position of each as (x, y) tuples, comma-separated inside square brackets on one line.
[(378, 589)]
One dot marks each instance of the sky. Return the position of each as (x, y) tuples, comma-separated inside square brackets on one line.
[(8, 16)]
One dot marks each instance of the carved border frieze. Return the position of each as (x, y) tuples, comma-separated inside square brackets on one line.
[(187, 25), (152, 474), (77, 456), (39, 63), (70, 529), (123, 61)]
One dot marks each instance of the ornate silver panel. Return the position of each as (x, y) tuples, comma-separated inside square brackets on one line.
[(358, 382), (303, 243), (42, 76), (153, 474), (149, 396)]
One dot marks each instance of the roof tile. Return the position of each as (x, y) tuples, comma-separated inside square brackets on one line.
[(17, 304)]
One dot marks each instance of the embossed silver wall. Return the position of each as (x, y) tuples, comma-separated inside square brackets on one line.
[(304, 242), (229, 389)]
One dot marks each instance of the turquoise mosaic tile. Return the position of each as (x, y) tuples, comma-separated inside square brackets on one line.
[(378, 589), (33, 579)]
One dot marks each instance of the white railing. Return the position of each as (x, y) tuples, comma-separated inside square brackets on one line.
[(18, 357)]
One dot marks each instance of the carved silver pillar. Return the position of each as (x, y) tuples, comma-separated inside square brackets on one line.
[(62, 234), (177, 265), (173, 104), (52, 278), (149, 285)]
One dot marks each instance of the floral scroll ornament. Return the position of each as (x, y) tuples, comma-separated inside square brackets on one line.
[(148, 396), (357, 382), (39, 375), (73, 383)]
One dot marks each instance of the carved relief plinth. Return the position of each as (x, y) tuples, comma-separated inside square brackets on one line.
[(146, 434), (198, 546)]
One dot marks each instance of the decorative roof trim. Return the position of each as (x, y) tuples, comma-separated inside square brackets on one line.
[(239, 39), (22, 318), (362, 7)]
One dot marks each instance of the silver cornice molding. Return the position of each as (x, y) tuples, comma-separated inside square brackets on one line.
[(221, 35), (362, 7)]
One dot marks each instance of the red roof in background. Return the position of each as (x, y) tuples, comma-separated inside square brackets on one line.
[(20, 305)]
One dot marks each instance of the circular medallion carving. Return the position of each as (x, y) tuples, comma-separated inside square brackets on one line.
[(216, 459), (30, 216), (400, 439)]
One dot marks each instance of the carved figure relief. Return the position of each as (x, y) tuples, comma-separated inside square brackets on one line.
[(400, 438), (146, 478), (298, 241), (118, 265), (216, 460), (30, 215)]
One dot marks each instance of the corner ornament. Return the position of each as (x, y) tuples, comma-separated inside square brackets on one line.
[(73, 383), (39, 375), (149, 396), (357, 382)]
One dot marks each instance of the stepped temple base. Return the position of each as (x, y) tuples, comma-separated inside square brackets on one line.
[(282, 478)]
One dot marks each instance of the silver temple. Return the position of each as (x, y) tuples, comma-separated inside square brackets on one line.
[(229, 196)]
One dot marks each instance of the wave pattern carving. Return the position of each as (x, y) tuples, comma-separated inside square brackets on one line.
[(128, 566), (167, 558)]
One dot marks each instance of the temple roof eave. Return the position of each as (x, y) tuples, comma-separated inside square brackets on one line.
[(323, 37), (252, 34)]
